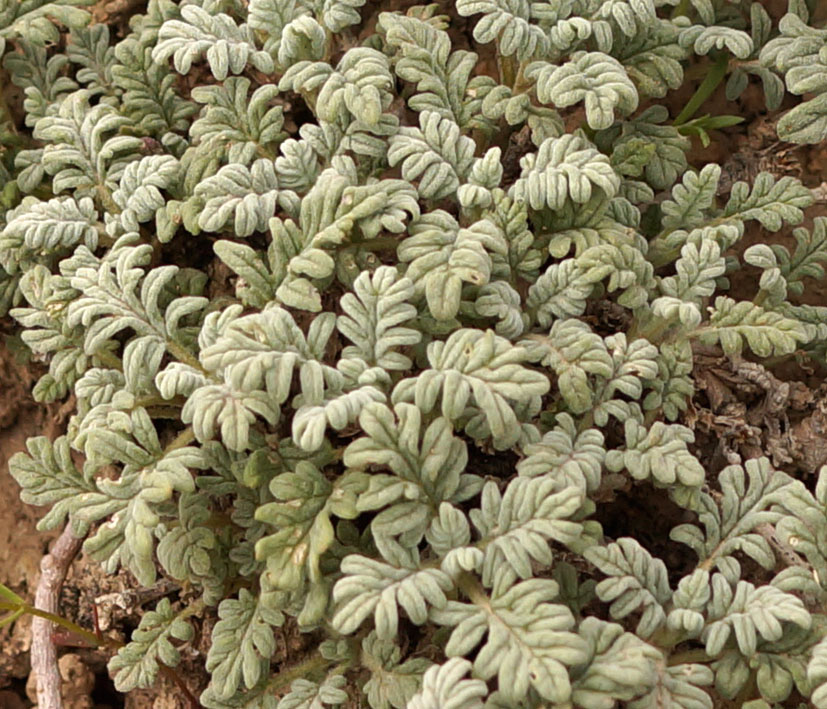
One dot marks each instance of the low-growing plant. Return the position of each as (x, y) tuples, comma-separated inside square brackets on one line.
[(322, 282)]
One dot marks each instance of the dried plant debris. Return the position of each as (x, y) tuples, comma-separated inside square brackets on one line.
[(759, 151), (753, 413), (388, 330)]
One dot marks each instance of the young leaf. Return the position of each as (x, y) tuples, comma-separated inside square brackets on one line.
[(242, 643), (137, 663)]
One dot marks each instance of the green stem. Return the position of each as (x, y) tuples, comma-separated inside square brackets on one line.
[(310, 99), (472, 588), (106, 199), (88, 637), (183, 439), (770, 362), (586, 421), (110, 360), (5, 112), (651, 416), (164, 412), (148, 401), (508, 69), (381, 243), (705, 90), (287, 676), (653, 330), (184, 355), (9, 619), (521, 84)]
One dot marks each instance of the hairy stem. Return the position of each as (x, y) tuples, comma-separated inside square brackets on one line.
[(508, 69), (182, 440), (183, 355), (288, 675)]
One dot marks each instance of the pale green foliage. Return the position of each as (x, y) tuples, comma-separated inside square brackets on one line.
[(564, 169), (39, 77), (62, 485), (618, 665), (149, 97), (574, 352), (730, 520), (817, 674), (516, 525), (137, 664), (659, 453), (800, 54), (301, 516), (446, 687), (523, 649), (81, 152), (424, 57), (360, 85), (635, 580), (424, 474), (765, 332), (479, 367), (697, 269), (507, 22), (360, 321), (336, 212), (248, 197), (705, 39), (750, 612), (649, 136), (372, 587), (577, 458), (592, 77), (392, 684), (691, 198), (436, 155), (442, 256), (242, 643), (244, 126), (771, 202), (227, 47), (139, 191), (34, 19), (309, 695), (373, 319), (50, 227)]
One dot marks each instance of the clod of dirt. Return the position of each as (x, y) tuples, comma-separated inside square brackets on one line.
[(78, 682), (163, 696), (116, 13)]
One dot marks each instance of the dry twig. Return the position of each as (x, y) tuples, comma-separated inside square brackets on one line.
[(53, 567)]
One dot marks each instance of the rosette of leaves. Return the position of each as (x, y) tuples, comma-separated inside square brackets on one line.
[(360, 329)]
